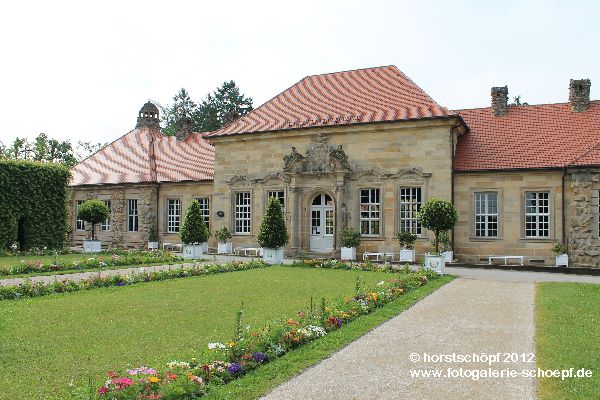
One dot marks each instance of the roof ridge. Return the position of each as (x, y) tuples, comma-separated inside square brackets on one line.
[(585, 153), (350, 70), (105, 146), (521, 105)]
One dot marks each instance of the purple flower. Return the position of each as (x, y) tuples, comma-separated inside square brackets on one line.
[(120, 283), (259, 357), (235, 369)]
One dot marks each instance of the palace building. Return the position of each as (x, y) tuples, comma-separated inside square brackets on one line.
[(364, 148)]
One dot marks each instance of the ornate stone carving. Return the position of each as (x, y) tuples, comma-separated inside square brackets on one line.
[(274, 178), (321, 158), (239, 180), (410, 174)]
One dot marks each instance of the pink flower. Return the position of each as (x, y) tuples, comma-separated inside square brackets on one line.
[(102, 390)]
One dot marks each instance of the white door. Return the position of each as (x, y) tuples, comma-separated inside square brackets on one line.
[(321, 223)]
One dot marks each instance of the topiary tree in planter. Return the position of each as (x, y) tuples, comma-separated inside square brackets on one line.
[(193, 231), (223, 235), (93, 211), (406, 240), (152, 237), (272, 234), (437, 216), (349, 241)]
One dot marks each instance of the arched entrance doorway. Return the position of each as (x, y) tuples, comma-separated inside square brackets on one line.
[(322, 224)]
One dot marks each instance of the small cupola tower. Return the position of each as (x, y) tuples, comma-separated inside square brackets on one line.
[(148, 117)]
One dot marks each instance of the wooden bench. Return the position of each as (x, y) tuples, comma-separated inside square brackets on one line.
[(506, 258), (173, 247), (248, 250), (378, 256)]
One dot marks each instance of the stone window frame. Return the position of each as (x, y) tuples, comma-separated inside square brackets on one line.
[(136, 215), (166, 213), (472, 221), (105, 225), (233, 219), (276, 189), (424, 197), (379, 187), (207, 218), (551, 219), (79, 223)]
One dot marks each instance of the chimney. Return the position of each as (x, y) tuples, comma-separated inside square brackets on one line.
[(499, 100), (185, 126), (579, 94)]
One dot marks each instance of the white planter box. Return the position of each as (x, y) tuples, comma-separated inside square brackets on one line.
[(435, 263), (224, 248), (407, 255), (192, 251), (92, 246), (448, 256), (152, 245), (205, 247), (562, 259), (272, 256), (348, 253)]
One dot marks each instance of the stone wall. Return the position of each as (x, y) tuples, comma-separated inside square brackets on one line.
[(583, 241), (511, 188), (385, 156)]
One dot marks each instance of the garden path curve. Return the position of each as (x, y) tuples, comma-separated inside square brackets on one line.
[(464, 317)]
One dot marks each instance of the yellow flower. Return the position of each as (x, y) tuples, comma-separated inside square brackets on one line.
[(154, 379), (230, 344)]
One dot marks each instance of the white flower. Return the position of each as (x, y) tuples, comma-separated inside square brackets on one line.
[(178, 365), (214, 346), (380, 283), (316, 330)]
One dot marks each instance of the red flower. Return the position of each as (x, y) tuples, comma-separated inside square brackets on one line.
[(171, 376), (102, 390)]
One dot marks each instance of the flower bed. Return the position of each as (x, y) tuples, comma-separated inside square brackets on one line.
[(29, 289), (367, 265), (249, 349), (109, 259)]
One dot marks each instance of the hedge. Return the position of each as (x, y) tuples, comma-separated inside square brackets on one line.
[(33, 195)]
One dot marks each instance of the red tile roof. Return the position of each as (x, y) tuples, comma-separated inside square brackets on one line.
[(147, 156), (340, 98), (538, 136)]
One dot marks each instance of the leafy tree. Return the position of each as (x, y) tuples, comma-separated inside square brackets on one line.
[(406, 239), (349, 237), (273, 233), (42, 149), (86, 149), (182, 109), (194, 230), (437, 216), (93, 211)]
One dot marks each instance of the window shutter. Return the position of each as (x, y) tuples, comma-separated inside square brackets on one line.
[(595, 204)]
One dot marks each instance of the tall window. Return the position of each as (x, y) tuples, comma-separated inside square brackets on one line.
[(106, 223), (242, 212), (537, 214), (79, 223), (278, 194), (486, 214), (173, 215), (132, 215), (205, 207), (369, 212), (410, 204)]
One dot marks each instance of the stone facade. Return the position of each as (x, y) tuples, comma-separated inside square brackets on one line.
[(337, 161), (583, 217), (511, 240)]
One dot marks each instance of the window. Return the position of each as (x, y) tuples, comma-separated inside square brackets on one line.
[(596, 213), (537, 214), (132, 215), (173, 215), (106, 223), (486, 214), (410, 204), (242, 212), (205, 207), (278, 194), (369, 212), (80, 224)]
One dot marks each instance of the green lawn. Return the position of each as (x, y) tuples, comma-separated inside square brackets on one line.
[(45, 342), (568, 336)]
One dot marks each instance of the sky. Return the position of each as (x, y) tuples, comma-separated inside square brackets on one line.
[(80, 71)]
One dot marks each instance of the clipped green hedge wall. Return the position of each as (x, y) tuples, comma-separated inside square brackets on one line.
[(36, 193)]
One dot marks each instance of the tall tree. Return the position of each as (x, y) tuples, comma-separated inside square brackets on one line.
[(182, 109), (223, 106)]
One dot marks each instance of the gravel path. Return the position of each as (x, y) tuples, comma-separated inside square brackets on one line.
[(465, 317)]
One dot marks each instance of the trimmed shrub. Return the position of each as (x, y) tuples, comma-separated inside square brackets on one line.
[(349, 237), (273, 233), (194, 230), (437, 216), (33, 204), (94, 212)]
